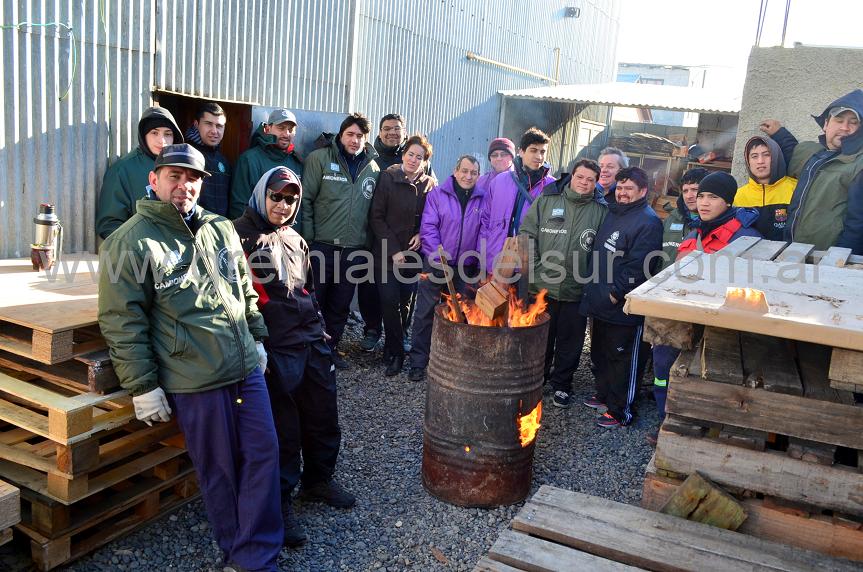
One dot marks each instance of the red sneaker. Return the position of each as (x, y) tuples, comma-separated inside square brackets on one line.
[(594, 403), (607, 420)]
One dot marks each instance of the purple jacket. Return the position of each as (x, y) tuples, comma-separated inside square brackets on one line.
[(484, 182), (444, 223), (499, 202)]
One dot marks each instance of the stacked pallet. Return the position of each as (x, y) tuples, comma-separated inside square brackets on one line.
[(761, 415), (569, 531), (88, 472)]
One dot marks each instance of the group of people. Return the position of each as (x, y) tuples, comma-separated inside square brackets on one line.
[(225, 291)]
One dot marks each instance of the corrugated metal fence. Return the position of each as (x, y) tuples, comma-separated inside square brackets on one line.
[(78, 74)]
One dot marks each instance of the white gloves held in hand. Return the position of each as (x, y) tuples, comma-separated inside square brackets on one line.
[(262, 356), (152, 406)]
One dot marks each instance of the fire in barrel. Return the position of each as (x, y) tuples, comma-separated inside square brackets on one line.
[(483, 402)]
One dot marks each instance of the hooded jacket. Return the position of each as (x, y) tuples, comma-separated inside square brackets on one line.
[(335, 207), (396, 213), (126, 180), (771, 199), (287, 303), (675, 228), (262, 155), (177, 307), (216, 189), (389, 156), (445, 223), (630, 238), (562, 224), (484, 182), (827, 205), (731, 225), (498, 215)]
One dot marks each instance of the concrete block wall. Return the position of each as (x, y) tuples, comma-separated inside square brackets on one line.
[(791, 85)]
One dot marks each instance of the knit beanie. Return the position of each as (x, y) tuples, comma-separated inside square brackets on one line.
[(501, 144), (720, 184)]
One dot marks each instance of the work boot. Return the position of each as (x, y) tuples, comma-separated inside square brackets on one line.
[(329, 492), (417, 374), (295, 536), (395, 366), (370, 341), (339, 360)]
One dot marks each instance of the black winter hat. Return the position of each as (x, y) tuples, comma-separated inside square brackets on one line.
[(720, 184)]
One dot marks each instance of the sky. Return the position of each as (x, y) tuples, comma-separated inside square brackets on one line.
[(721, 33)]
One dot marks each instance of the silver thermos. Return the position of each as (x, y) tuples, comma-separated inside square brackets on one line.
[(48, 246)]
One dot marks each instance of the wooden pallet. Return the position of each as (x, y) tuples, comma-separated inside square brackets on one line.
[(91, 371), (47, 319), (59, 413), (10, 510), (564, 530), (90, 524), (807, 528)]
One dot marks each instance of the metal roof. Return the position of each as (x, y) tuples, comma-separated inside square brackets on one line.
[(669, 97)]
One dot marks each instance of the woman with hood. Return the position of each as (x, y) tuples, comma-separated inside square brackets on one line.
[(300, 377), (769, 189), (718, 222), (126, 181)]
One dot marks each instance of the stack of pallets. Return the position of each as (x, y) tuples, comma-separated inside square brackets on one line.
[(88, 472), (768, 418)]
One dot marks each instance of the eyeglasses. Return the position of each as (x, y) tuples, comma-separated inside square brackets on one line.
[(279, 197)]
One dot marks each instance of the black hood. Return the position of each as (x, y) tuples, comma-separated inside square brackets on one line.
[(152, 113), (387, 151), (854, 143), (777, 159)]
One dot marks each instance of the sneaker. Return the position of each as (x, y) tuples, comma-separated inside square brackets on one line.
[(608, 421), (561, 399), (329, 492), (594, 403), (417, 374), (395, 366), (370, 341), (339, 360), (295, 536)]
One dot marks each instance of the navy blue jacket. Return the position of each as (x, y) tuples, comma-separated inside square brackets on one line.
[(629, 238)]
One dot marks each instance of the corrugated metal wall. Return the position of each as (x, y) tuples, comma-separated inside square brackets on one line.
[(57, 150), (413, 61), (376, 56)]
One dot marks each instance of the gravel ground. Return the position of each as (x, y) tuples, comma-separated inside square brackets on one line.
[(396, 525)]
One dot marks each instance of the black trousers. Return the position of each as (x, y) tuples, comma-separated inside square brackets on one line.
[(396, 299), (334, 292), (428, 297), (565, 342), (369, 301), (302, 387), (619, 366)]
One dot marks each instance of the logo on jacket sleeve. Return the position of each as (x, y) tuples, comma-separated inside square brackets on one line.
[(228, 266), (557, 212), (368, 187), (585, 241), (611, 241)]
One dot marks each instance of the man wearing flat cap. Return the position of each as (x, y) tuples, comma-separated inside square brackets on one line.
[(272, 146), (177, 309), (827, 205)]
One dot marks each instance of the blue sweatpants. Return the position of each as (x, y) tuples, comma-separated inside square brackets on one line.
[(232, 442), (663, 359)]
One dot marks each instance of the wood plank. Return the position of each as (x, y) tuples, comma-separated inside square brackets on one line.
[(659, 542), (770, 362), (811, 451), (836, 257), (772, 524), (699, 500), (740, 246), (765, 250), (486, 564), (809, 303), (10, 505), (769, 472), (846, 366), (525, 552), (720, 358), (842, 386), (795, 253), (676, 269), (814, 363)]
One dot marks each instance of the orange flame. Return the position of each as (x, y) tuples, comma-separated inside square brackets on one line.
[(746, 299), (529, 424), (518, 317)]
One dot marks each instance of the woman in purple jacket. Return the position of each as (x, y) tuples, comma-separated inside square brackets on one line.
[(450, 219)]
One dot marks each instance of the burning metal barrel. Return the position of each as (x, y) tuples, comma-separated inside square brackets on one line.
[(483, 407)]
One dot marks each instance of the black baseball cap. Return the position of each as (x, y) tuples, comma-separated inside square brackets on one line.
[(181, 155), (281, 178)]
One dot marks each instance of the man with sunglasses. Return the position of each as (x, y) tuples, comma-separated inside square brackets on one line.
[(301, 377), (177, 309)]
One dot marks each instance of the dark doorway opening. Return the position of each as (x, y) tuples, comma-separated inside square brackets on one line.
[(238, 128)]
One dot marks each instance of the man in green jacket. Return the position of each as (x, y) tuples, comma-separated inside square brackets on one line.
[(177, 309), (272, 146), (562, 224), (678, 222), (126, 180), (338, 187)]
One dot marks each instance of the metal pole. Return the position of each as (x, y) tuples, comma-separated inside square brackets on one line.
[(478, 58)]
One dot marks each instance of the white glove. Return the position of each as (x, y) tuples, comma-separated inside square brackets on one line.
[(262, 356), (152, 406)]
